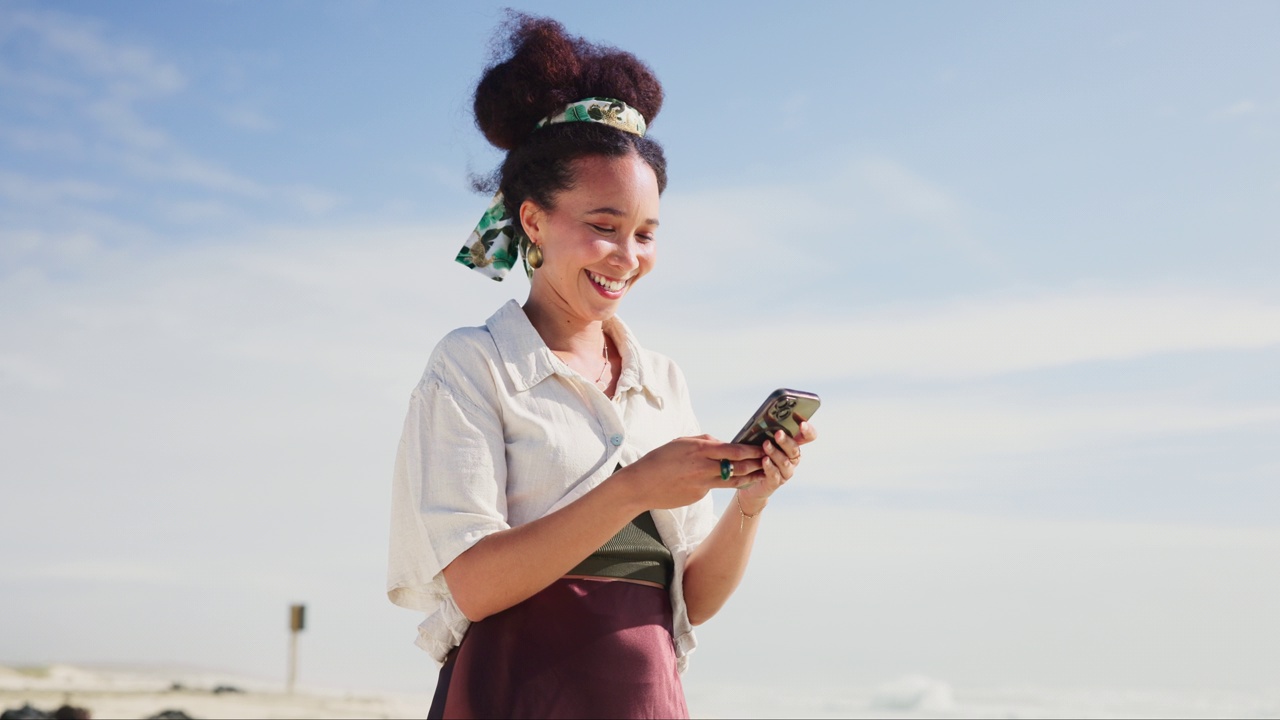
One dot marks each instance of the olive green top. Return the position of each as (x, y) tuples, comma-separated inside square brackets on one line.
[(635, 553)]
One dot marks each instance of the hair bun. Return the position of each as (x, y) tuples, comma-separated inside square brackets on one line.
[(539, 69)]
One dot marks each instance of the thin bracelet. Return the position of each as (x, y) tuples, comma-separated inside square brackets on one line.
[(743, 517)]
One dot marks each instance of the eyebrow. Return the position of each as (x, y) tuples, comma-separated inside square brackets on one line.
[(618, 213)]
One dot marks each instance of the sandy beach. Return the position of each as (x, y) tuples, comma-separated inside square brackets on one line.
[(126, 692), (139, 693)]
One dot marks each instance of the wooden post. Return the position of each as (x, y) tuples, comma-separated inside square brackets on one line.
[(297, 621)]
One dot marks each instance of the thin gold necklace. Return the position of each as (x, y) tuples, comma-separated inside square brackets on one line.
[(601, 381)]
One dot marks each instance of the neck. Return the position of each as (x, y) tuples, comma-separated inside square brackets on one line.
[(562, 331)]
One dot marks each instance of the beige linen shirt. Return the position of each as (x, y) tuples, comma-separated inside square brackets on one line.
[(501, 432)]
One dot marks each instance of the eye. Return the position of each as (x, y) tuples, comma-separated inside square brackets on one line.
[(600, 228), (645, 237)]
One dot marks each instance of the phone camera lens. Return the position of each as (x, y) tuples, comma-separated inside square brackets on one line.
[(782, 410)]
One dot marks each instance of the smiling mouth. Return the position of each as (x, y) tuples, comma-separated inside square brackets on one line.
[(606, 283)]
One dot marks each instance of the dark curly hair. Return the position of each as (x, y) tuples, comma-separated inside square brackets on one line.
[(537, 71)]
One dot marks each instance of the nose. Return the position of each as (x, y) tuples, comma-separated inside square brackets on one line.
[(625, 253)]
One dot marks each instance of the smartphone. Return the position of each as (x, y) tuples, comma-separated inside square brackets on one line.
[(783, 409)]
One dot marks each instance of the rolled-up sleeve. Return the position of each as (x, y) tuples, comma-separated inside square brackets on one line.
[(449, 489)]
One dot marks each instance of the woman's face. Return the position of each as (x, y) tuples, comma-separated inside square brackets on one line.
[(599, 239)]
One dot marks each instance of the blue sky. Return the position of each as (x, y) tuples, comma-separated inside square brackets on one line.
[(1026, 252)]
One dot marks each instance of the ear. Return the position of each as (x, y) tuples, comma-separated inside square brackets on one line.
[(533, 218)]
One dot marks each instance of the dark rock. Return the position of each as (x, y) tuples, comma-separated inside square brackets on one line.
[(170, 715), (226, 689), (26, 712), (70, 712)]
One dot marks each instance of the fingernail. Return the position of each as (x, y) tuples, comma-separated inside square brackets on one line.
[(768, 446)]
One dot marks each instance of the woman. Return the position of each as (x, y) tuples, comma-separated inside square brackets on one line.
[(551, 507)]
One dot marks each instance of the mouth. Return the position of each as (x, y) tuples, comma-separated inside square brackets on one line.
[(610, 287)]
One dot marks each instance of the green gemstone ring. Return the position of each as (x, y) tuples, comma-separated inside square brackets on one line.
[(726, 470)]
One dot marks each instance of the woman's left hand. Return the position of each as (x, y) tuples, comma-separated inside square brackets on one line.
[(781, 458)]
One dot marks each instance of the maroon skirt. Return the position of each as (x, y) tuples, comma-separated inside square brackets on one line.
[(581, 648)]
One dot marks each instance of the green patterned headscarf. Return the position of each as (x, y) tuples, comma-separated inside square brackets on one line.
[(497, 241)]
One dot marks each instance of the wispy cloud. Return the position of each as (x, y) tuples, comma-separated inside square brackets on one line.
[(891, 191), (983, 337), (19, 188), (903, 191), (927, 589), (723, 237), (103, 88), (1237, 109), (794, 110), (19, 371), (128, 69), (248, 119), (50, 143), (931, 440)]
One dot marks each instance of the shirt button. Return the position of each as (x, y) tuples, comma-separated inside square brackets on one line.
[(616, 440)]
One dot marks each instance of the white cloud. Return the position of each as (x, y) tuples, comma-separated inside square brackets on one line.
[(117, 119), (793, 111), (48, 237), (344, 302), (717, 240), (994, 601), (718, 236), (110, 571), (129, 69), (1238, 109), (982, 337), (970, 437), (890, 192), (25, 248), (935, 441), (19, 188), (98, 85), (314, 201), (24, 372), (201, 212), (905, 192), (248, 119), (39, 84), (50, 143)]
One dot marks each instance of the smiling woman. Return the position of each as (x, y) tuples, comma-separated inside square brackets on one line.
[(551, 509), (593, 245)]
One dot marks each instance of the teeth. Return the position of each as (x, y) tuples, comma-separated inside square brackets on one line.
[(610, 285)]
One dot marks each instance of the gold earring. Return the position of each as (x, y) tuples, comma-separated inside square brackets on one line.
[(534, 256)]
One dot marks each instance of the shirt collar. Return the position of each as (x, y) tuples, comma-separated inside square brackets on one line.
[(528, 360)]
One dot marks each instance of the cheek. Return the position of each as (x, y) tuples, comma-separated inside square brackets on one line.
[(575, 249), (649, 257)]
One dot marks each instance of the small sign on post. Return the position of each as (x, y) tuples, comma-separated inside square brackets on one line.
[(297, 621)]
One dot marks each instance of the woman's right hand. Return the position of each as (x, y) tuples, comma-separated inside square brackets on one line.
[(684, 470)]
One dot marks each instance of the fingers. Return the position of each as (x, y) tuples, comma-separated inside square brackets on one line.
[(808, 433), (775, 460), (773, 474), (737, 472), (734, 452), (782, 455), (788, 446), (742, 468)]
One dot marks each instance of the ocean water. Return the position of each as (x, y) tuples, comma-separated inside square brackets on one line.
[(918, 696)]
